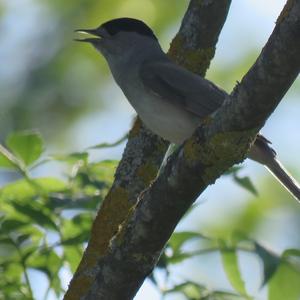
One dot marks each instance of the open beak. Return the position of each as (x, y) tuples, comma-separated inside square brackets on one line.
[(95, 32)]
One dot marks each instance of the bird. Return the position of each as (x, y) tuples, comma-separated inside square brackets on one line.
[(170, 100)]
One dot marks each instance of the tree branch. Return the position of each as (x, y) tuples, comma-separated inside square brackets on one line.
[(195, 44), (144, 151), (221, 141), (265, 84)]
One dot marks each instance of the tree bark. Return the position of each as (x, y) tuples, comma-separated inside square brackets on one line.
[(115, 265), (144, 151), (222, 140)]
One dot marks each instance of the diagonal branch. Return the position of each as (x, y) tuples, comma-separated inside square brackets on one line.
[(219, 143), (194, 47), (195, 44)]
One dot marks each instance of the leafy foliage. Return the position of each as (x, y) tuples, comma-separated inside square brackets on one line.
[(45, 224), (27, 146), (276, 269), (49, 84)]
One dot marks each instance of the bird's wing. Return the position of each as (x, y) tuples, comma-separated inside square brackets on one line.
[(182, 87)]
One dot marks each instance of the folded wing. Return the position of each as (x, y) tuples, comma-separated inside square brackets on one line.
[(181, 87)]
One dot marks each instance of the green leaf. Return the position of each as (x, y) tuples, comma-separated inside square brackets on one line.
[(31, 250), (73, 256), (13, 271), (18, 190), (22, 238), (109, 145), (76, 230), (162, 262), (49, 263), (64, 201), (285, 284), (23, 189), (78, 239), (72, 158), (176, 242), (103, 171), (27, 146), (6, 159), (270, 262), (9, 225), (246, 183), (56, 285), (291, 252), (231, 267), (7, 241), (179, 238), (35, 213), (192, 290), (221, 295), (46, 261), (233, 170)]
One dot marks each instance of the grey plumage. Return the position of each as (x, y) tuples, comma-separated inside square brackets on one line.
[(159, 77), (169, 99)]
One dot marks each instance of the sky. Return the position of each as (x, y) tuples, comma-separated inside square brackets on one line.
[(248, 26)]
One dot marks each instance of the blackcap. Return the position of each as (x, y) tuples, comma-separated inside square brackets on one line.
[(169, 99)]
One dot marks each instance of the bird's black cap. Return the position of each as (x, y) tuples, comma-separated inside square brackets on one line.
[(127, 24)]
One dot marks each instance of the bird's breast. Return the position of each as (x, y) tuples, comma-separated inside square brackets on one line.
[(160, 115)]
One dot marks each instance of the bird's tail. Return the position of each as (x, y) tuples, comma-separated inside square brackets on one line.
[(262, 152)]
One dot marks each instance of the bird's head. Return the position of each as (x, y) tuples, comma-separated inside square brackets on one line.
[(118, 37)]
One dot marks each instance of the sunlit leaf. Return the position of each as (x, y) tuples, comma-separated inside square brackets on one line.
[(77, 230), (6, 159), (291, 252), (231, 267), (27, 146), (103, 171), (56, 285), (13, 271), (23, 189), (285, 283), (73, 256), (31, 250), (49, 263)]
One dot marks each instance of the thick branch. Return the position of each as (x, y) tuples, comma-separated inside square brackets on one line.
[(145, 151), (270, 77), (217, 145), (195, 44)]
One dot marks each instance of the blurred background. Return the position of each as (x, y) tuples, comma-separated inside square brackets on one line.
[(65, 91)]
